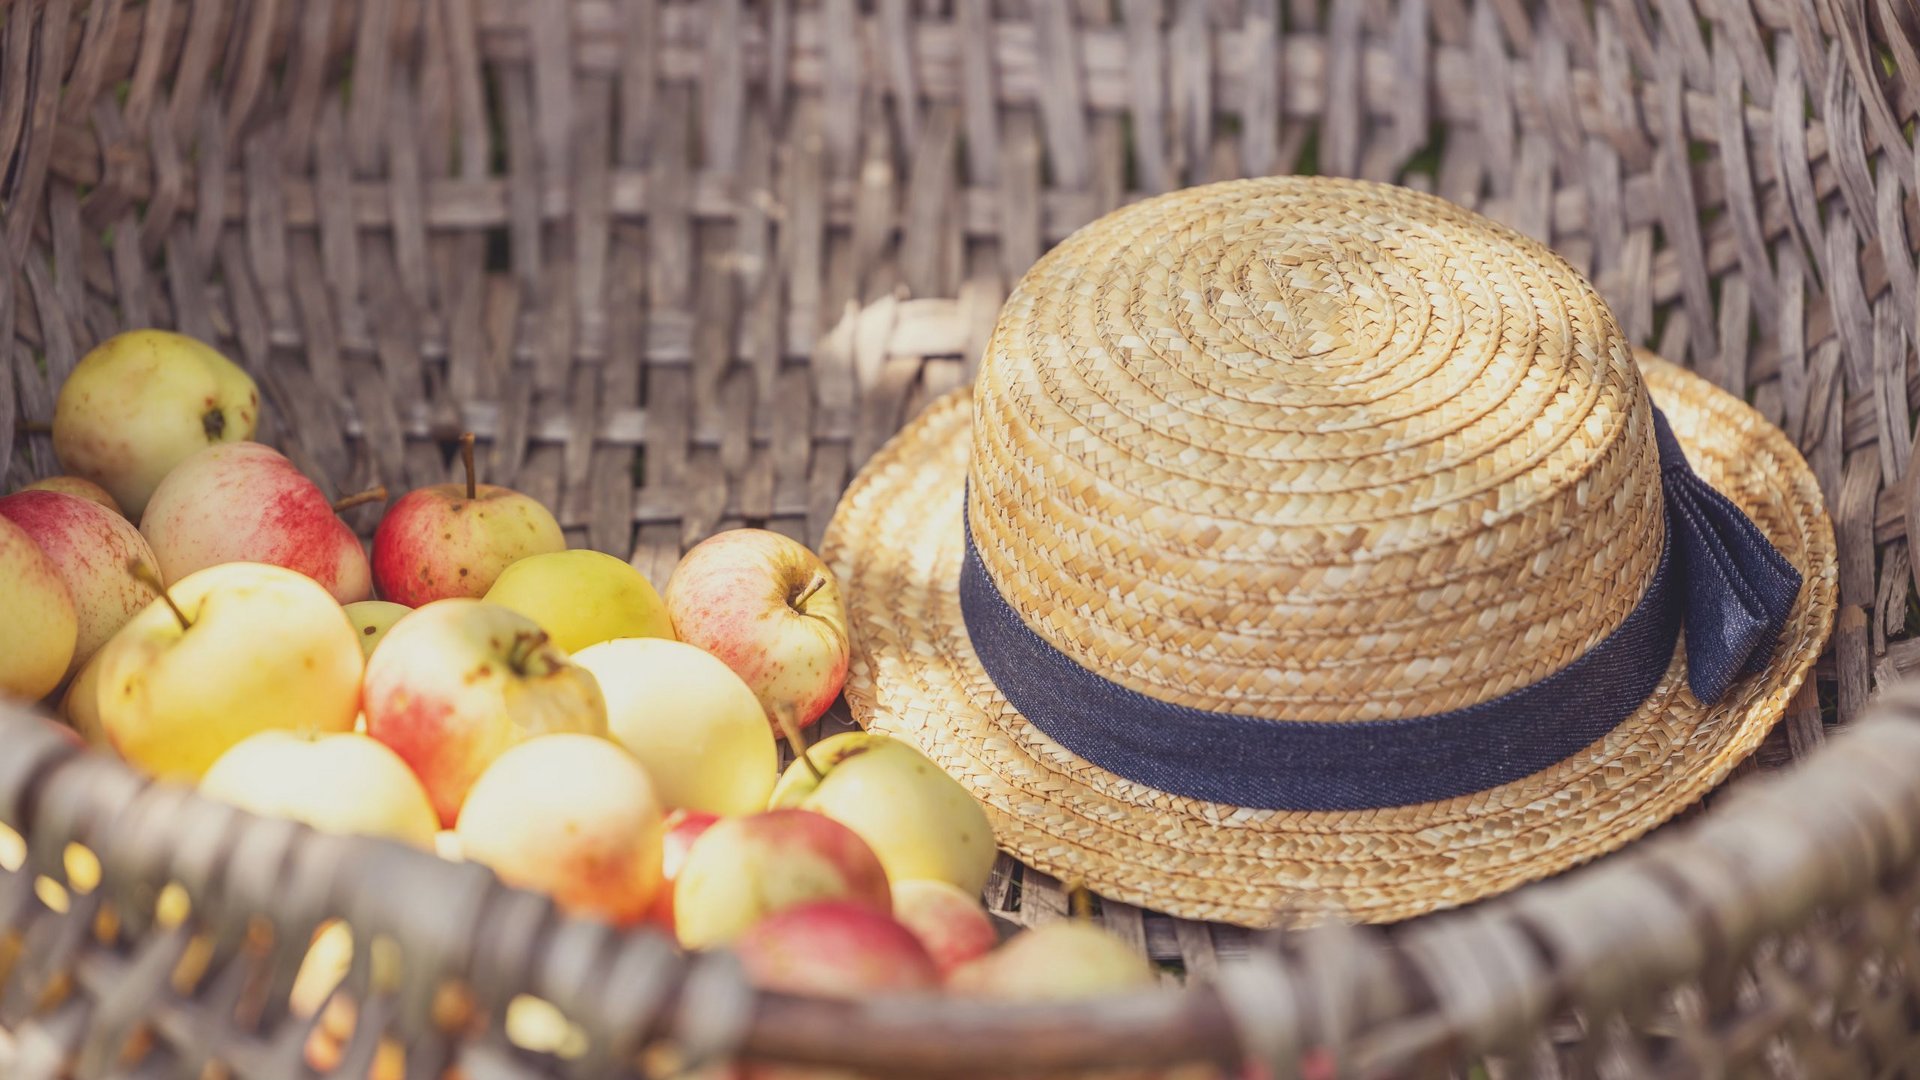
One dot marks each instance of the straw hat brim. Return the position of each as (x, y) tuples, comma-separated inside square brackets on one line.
[(896, 542)]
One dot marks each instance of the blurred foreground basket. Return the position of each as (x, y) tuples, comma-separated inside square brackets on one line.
[(684, 265)]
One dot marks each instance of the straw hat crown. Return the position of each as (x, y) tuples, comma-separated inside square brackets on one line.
[(1312, 449)]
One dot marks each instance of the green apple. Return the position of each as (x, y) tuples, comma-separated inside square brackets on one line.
[(228, 652), (38, 634), (373, 618), (76, 485), (144, 401), (346, 784), (919, 820), (582, 598), (696, 727)]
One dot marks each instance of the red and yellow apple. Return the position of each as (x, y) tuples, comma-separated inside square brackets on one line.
[(141, 403), (573, 816), (743, 869), (677, 835), (457, 682), (342, 783), (582, 598), (771, 610), (79, 486), (40, 630), (244, 502), (920, 821), (91, 547), (951, 923), (229, 652), (453, 540), (689, 719)]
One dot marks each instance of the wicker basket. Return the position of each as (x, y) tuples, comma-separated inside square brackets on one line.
[(684, 265)]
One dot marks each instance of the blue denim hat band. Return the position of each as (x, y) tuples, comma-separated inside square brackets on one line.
[(1718, 576)]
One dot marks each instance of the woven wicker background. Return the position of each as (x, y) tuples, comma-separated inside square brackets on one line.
[(684, 265)]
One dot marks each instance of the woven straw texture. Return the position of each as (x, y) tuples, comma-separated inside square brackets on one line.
[(684, 264)]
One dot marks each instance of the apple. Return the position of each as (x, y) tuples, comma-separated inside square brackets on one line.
[(80, 705), (1060, 961), (771, 610), (573, 816), (244, 502), (743, 869), (835, 949), (91, 547), (41, 627), (76, 485), (453, 540), (225, 653), (347, 784), (920, 821), (373, 618), (457, 682), (144, 401), (689, 719), (677, 835), (582, 598), (952, 924)]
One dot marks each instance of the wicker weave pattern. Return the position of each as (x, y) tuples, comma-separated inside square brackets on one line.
[(607, 235)]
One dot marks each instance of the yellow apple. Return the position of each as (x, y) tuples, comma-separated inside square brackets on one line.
[(263, 648), (41, 628), (80, 705), (582, 598), (573, 816), (76, 485), (1061, 961), (140, 403), (373, 618), (343, 783), (920, 821), (771, 610), (689, 719)]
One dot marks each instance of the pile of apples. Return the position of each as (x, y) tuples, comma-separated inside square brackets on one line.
[(543, 711)]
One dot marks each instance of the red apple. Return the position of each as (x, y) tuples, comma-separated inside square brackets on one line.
[(837, 949), (244, 502), (953, 925), (453, 540), (771, 610), (91, 548), (743, 869), (456, 683), (683, 827)]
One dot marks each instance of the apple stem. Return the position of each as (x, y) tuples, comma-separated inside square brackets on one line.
[(144, 575), (819, 582), (783, 716), (466, 458), (377, 493)]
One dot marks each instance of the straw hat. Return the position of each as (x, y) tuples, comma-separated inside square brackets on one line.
[(1339, 526)]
